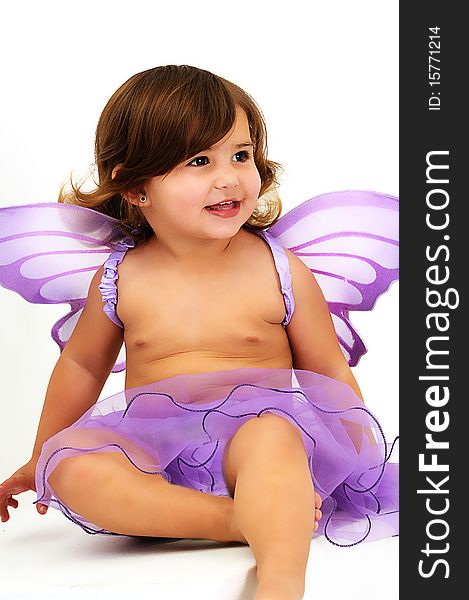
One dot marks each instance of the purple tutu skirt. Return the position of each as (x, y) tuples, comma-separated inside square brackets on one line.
[(179, 428)]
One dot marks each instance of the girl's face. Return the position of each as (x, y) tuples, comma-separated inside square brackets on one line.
[(176, 202)]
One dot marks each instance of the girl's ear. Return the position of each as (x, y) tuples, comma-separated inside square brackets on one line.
[(133, 196), (115, 170)]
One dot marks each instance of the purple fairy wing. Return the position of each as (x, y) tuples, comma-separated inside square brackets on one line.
[(349, 241), (49, 253)]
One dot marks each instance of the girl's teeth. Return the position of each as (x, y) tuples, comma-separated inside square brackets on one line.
[(221, 206)]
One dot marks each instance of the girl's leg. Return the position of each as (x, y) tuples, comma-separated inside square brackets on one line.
[(274, 502), (107, 490)]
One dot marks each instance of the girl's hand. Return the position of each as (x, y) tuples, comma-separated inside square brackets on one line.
[(21, 481)]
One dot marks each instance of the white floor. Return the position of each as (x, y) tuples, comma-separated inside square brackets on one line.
[(48, 557)]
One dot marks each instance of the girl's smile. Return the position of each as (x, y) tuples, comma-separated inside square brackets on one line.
[(227, 209)]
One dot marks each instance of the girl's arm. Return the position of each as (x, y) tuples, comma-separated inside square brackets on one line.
[(312, 337), (82, 368)]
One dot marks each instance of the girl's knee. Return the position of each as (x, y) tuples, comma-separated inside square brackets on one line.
[(83, 470), (92, 470), (260, 437), (280, 425), (269, 429)]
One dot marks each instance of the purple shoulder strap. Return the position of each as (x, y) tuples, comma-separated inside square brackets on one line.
[(283, 269), (108, 287)]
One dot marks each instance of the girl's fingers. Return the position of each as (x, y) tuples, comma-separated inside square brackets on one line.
[(318, 515), (16, 484), (13, 485), (13, 502), (4, 513)]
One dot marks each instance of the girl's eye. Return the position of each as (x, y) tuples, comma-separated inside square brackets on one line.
[(244, 153), (198, 158)]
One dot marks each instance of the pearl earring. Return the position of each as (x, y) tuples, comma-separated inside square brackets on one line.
[(142, 199)]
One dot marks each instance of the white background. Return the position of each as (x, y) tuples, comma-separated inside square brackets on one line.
[(326, 78)]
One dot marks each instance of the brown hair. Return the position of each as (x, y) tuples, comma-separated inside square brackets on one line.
[(159, 118)]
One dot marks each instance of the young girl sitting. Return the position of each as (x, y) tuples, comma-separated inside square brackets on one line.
[(240, 419)]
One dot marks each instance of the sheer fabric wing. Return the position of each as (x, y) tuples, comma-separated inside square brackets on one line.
[(349, 241), (49, 253)]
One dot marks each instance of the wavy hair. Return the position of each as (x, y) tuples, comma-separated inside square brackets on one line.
[(157, 119)]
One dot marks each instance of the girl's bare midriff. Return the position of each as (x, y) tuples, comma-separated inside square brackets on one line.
[(180, 322)]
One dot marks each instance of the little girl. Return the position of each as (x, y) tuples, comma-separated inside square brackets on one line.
[(217, 317)]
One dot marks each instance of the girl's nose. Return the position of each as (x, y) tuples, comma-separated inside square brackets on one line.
[(226, 177)]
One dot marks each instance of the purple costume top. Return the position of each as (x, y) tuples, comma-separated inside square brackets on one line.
[(108, 287)]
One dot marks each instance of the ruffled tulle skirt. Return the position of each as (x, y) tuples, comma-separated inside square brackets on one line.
[(179, 428)]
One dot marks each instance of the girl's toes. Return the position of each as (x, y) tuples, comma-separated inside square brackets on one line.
[(317, 500)]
